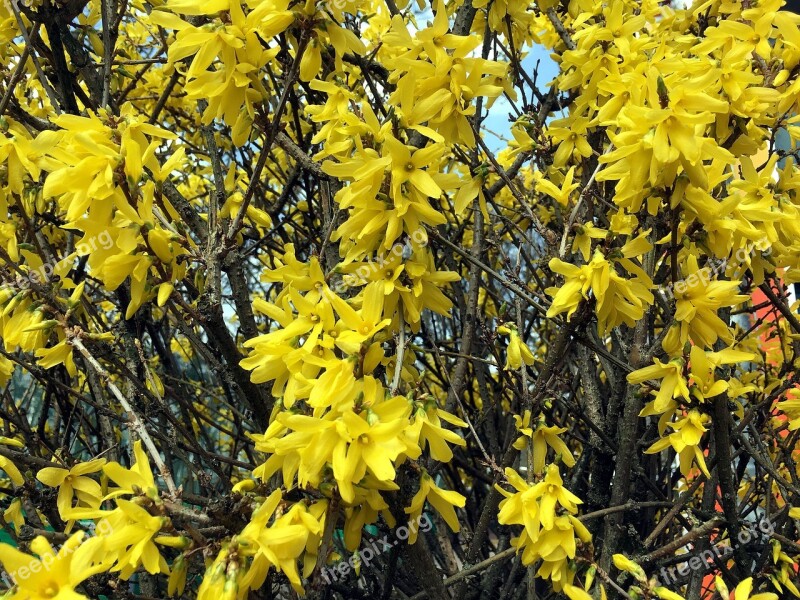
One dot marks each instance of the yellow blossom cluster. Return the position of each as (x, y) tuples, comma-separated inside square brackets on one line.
[(276, 238)]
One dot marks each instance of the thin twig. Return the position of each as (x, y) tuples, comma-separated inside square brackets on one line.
[(17, 73), (401, 349), (508, 552), (73, 336), (573, 215), (29, 42), (275, 126)]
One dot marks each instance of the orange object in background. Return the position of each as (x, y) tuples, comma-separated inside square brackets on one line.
[(765, 313)]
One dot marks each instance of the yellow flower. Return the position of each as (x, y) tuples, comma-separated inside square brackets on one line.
[(408, 167), (551, 492), (742, 591), (73, 482), (442, 500), (352, 443), (546, 536), (559, 194), (791, 407), (132, 539), (618, 300), (584, 236), (177, 577), (666, 594), (570, 135), (277, 545), (359, 327), (575, 288), (542, 437), (13, 514), (575, 593), (673, 384), (517, 352), (6, 463), (221, 578), (698, 299), (433, 434), (685, 441), (623, 563), (137, 479), (51, 575), (703, 366), (437, 39)]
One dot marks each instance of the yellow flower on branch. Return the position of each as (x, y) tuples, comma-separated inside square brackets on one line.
[(7, 465), (443, 501), (132, 541), (559, 194), (517, 352), (547, 535), (74, 483), (697, 299), (431, 431), (673, 383), (618, 300), (136, 480), (688, 431), (51, 574), (541, 436)]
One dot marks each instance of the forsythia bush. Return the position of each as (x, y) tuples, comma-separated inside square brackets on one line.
[(285, 312)]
